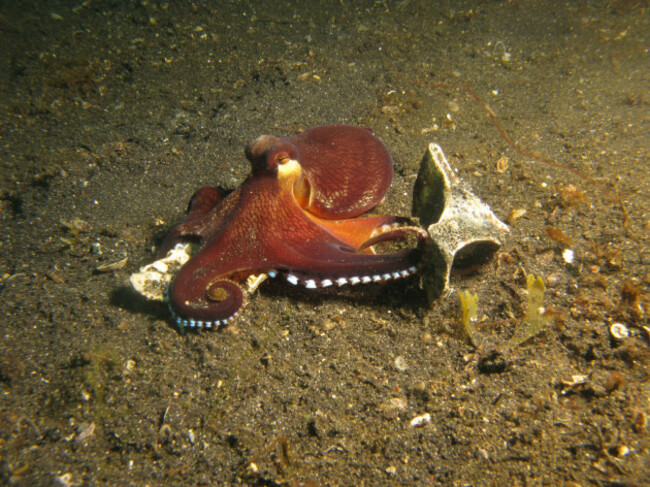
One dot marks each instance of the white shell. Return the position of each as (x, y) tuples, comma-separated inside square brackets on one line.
[(152, 280), (619, 331), (456, 218), (421, 420)]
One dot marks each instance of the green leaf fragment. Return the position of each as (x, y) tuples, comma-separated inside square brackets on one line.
[(531, 325), (533, 322), (469, 309)]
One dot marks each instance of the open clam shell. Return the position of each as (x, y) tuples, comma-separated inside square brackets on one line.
[(463, 229)]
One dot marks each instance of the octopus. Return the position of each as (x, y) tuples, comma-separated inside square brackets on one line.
[(299, 214)]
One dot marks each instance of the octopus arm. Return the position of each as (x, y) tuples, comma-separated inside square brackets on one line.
[(207, 288), (200, 219), (323, 257), (361, 233)]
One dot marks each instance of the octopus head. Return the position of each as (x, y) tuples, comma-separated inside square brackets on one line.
[(271, 155)]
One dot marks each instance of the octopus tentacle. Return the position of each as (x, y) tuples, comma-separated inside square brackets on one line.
[(392, 233), (203, 201), (356, 231), (311, 281), (206, 292), (376, 267), (325, 261), (220, 302), (201, 204)]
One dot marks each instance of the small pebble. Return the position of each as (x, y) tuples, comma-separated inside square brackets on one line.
[(515, 214)]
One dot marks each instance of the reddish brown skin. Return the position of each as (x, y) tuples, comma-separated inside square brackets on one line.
[(262, 226), (336, 159)]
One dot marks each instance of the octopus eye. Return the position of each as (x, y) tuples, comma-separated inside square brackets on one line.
[(282, 158)]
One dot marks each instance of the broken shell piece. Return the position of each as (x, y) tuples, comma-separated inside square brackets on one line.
[(254, 280), (619, 331), (515, 214), (576, 382), (421, 420), (502, 164), (113, 266), (568, 255), (152, 280), (463, 229)]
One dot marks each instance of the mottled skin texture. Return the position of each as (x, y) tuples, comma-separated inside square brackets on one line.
[(297, 213)]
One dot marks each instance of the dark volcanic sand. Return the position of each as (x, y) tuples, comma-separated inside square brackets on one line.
[(113, 113)]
